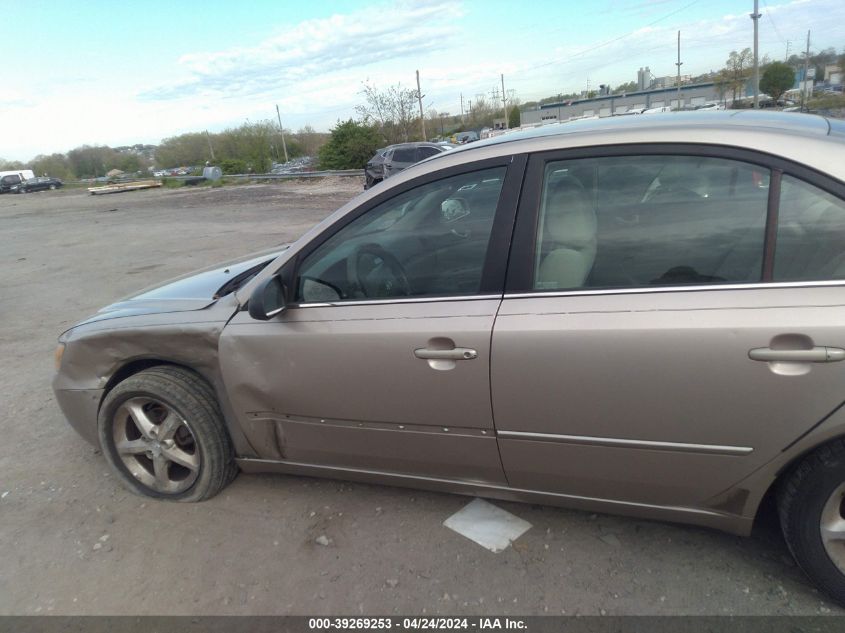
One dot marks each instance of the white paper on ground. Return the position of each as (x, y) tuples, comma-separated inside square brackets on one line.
[(487, 525)]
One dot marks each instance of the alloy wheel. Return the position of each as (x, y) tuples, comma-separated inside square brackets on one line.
[(833, 527), (156, 445)]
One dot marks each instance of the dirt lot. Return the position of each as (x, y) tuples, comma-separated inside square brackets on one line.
[(73, 541)]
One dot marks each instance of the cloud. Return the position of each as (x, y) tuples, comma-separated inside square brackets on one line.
[(10, 99), (703, 42), (371, 35)]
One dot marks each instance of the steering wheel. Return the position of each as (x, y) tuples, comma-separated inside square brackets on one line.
[(378, 273)]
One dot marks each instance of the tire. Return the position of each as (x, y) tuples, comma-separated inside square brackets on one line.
[(812, 496), (162, 432), (52, 187)]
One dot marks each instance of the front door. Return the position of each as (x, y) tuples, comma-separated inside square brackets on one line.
[(381, 360)]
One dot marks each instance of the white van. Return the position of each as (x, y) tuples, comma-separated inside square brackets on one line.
[(10, 178)]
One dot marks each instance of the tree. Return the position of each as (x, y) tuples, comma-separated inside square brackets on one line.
[(513, 117), (392, 111), (233, 166), (91, 162), (350, 146), (310, 140), (631, 86), (55, 165), (735, 73), (257, 144), (10, 165), (482, 113), (777, 78), (185, 149)]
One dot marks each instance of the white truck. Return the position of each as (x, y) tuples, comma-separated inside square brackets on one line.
[(10, 178)]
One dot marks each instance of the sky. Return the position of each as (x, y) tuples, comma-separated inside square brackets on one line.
[(112, 73)]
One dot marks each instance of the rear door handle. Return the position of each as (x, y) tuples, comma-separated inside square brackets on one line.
[(812, 355), (459, 353)]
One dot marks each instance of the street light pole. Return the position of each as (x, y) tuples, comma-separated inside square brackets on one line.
[(806, 72), (504, 102), (282, 130), (756, 81), (678, 64), (420, 98)]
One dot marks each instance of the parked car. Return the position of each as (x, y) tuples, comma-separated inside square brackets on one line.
[(374, 170), (389, 161), (40, 183), (635, 315), (462, 138)]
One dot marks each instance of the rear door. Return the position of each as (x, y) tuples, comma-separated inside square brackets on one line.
[(645, 350), (381, 360)]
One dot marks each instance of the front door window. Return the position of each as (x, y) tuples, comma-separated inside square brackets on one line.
[(427, 242)]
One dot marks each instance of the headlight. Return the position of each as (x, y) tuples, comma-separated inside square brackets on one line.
[(60, 350)]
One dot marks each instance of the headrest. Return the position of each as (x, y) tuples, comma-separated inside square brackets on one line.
[(569, 218)]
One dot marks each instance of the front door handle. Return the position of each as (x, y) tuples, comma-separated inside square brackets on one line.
[(458, 353), (812, 355)]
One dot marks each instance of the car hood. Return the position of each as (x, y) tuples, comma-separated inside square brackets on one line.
[(193, 291)]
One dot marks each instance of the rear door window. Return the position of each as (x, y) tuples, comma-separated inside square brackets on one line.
[(651, 220), (811, 234)]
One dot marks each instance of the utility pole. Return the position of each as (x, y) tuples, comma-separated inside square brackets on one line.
[(420, 98), (678, 64), (210, 148), (756, 80), (282, 130), (788, 43), (806, 71), (504, 101), (462, 108)]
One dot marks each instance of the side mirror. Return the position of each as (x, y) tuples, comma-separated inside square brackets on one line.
[(267, 300)]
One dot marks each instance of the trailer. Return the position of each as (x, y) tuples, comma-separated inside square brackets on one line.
[(124, 186)]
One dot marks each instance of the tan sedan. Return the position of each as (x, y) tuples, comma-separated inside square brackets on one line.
[(638, 315)]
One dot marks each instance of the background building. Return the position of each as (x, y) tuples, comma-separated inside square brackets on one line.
[(607, 105)]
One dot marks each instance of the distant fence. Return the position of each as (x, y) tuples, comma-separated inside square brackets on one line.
[(302, 174)]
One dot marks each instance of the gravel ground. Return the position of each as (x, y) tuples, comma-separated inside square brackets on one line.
[(73, 541)]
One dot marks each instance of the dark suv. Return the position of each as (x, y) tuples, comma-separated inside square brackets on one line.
[(9, 181), (394, 158)]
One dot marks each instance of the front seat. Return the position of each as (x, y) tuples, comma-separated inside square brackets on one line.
[(567, 237)]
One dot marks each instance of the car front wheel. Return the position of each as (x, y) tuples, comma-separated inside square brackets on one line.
[(162, 432), (811, 505)]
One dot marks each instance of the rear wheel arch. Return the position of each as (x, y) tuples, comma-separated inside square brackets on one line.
[(811, 509), (786, 470)]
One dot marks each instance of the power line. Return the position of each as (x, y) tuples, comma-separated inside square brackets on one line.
[(772, 22), (615, 39)]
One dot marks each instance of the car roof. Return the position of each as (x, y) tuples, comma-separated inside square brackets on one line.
[(738, 119)]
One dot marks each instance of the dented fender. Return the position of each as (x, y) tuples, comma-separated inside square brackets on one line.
[(96, 352)]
